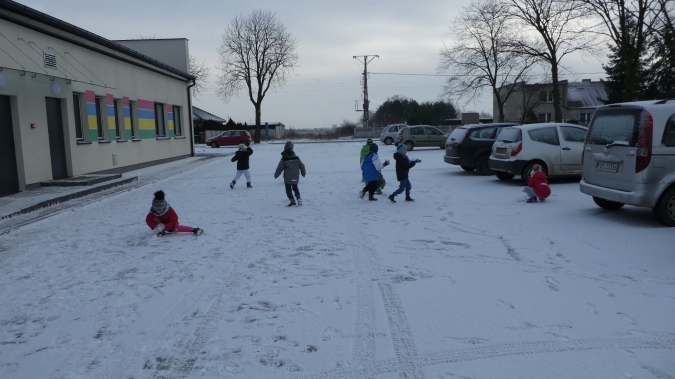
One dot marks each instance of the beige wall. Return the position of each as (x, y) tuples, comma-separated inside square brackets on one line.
[(28, 83)]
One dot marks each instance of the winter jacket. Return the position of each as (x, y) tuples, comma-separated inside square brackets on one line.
[(364, 151), (371, 167), (403, 165), (241, 157), (170, 220), (539, 184), (292, 167)]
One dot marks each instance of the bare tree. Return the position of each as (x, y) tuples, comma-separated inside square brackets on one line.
[(480, 59), (561, 31), (257, 52), (628, 24), (201, 71)]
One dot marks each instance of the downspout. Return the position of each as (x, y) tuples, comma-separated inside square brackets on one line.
[(192, 135)]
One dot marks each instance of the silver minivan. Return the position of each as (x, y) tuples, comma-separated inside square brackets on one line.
[(390, 133), (629, 157)]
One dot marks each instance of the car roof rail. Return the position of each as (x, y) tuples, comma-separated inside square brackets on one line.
[(663, 101)]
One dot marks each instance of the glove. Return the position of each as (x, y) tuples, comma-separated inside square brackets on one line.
[(418, 161), (159, 228), (386, 163)]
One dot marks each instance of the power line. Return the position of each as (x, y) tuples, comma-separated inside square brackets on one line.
[(403, 74)]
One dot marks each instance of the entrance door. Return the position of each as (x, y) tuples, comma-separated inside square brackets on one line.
[(9, 177), (57, 146)]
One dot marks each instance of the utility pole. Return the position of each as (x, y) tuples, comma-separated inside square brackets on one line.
[(366, 114)]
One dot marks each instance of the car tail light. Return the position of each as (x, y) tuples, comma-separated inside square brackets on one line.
[(644, 143), (517, 150)]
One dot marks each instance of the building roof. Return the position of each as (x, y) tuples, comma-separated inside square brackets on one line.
[(585, 94), (32, 14), (199, 114)]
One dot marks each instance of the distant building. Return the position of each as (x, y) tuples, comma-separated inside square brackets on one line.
[(274, 130), (73, 103), (534, 102)]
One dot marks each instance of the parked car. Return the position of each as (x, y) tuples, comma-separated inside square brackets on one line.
[(556, 147), (629, 157), (469, 146), (390, 133), (229, 138), (422, 136)]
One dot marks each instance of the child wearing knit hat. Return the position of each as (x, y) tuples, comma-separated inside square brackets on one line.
[(241, 157), (163, 219), (403, 166), (365, 150)]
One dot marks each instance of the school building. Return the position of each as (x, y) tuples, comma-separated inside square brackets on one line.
[(75, 103)]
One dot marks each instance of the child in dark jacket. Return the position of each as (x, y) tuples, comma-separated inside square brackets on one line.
[(403, 166), (241, 157), (371, 167), (537, 186), (292, 167), (163, 219)]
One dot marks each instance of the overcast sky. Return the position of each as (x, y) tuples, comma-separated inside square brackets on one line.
[(407, 35)]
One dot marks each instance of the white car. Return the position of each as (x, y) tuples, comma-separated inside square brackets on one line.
[(390, 133), (557, 147)]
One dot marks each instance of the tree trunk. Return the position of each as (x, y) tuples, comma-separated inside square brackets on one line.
[(630, 79), (256, 134), (500, 106), (557, 108)]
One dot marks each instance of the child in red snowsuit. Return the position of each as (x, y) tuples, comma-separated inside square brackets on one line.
[(163, 219), (537, 186)]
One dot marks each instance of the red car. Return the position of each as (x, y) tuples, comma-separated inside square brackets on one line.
[(230, 138)]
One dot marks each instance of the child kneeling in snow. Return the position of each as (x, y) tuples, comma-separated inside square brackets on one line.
[(537, 187), (163, 219)]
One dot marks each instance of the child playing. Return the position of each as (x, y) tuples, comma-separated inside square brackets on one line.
[(291, 165), (537, 186), (163, 219), (241, 157), (403, 166), (365, 149), (371, 167)]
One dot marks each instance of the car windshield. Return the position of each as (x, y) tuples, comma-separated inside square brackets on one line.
[(614, 126), (509, 135), (457, 134)]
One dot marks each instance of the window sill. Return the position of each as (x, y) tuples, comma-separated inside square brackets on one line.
[(84, 142), (104, 141), (179, 137), (162, 138), (136, 140), (121, 140)]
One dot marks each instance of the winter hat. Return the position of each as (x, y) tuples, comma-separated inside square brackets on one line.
[(401, 148), (369, 141), (288, 146), (242, 146), (373, 148), (159, 205)]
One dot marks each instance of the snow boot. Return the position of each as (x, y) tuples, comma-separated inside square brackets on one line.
[(531, 200), (248, 185), (292, 203), (378, 191), (197, 231), (408, 198), (362, 194), (232, 184), (372, 198), (542, 199), (299, 201), (391, 197)]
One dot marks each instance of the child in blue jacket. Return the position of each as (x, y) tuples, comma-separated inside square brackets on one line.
[(371, 167)]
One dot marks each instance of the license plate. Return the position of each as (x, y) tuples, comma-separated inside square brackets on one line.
[(609, 167), (501, 150)]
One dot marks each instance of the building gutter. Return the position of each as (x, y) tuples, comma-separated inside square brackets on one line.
[(192, 135)]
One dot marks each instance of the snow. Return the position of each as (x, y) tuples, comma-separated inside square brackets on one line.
[(466, 282)]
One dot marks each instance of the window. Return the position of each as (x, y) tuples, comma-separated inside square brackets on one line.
[(585, 117), (615, 125), (432, 132), (669, 133), (133, 111), (546, 96), (417, 131), (119, 120), (545, 135), (225, 134), (484, 133), (544, 117), (160, 120), (236, 134), (177, 122), (393, 129), (99, 120), (77, 110), (572, 134), (509, 135)]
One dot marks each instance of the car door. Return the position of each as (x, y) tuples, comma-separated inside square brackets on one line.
[(571, 148), (236, 137), (224, 138), (417, 136), (435, 137), (546, 146)]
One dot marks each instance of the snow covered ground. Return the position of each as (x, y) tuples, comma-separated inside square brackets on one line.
[(468, 281)]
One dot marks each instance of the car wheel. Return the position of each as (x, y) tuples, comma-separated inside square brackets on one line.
[(664, 211), (214, 144), (409, 145), (504, 176), (388, 141), (467, 168), (483, 165), (607, 204), (527, 171)]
